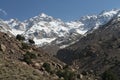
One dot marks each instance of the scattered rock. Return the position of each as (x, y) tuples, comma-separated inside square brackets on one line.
[(55, 77), (24, 63), (2, 48), (81, 76), (36, 65), (59, 66)]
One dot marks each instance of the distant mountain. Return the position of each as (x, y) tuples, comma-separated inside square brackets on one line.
[(44, 29)]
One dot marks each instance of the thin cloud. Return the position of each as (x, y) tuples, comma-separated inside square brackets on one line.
[(3, 12)]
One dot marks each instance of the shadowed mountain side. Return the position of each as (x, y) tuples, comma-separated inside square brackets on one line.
[(98, 51)]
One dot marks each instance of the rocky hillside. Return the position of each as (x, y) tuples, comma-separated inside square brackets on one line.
[(22, 61), (98, 53), (25, 61)]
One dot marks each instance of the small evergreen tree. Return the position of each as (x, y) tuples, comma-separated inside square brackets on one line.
[(66, 74), (47, 67), (25, 46), (28, 56), (60, 73), (31, 41), (20, 38)]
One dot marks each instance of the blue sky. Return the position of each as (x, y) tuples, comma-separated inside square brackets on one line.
[(66, 10)]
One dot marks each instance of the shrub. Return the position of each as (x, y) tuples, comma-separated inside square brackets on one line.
[(27, 59), (47, 67), (20, 38), (25, 46), (66, 74), (59, 73), (28, 56), (31, 41), (31, 55)]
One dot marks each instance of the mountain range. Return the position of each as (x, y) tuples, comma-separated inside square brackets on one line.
[(46, 30)]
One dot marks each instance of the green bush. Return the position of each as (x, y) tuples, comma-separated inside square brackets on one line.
[(20, 38), (47, 67), (28, 56)]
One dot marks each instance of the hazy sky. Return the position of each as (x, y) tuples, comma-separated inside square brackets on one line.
[(66, 10)]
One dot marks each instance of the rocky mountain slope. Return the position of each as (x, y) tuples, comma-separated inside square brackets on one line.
[(22, 61), (98, 53)]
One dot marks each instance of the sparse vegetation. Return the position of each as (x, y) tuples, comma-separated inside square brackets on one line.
[(14, 70)]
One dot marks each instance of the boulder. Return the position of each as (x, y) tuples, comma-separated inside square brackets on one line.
[(36, 65), (2, 48)]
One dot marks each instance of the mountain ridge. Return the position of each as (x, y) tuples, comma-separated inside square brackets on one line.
[(44, 29)]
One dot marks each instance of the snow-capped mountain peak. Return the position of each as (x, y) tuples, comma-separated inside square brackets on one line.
[(45, 29), (43, 15), (110, 13)]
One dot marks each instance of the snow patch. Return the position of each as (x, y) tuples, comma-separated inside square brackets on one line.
[(15, 32), (43, 41)]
